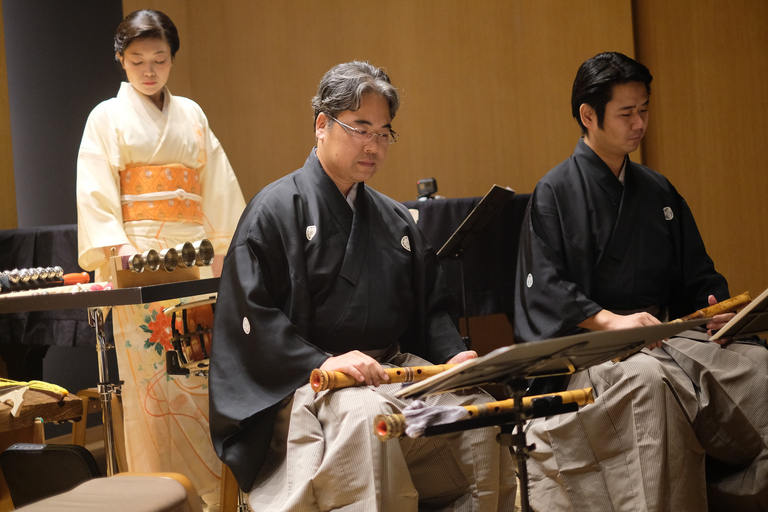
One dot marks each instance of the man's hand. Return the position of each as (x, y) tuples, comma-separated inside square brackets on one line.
[(718, 321), (462, 356), (358, 365), (604, 320)]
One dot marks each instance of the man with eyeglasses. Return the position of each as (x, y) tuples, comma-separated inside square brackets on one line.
[(324, 272)]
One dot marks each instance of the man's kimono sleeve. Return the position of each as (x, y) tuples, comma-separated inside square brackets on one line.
[(260, 354), (442, 338), (698, 277), (548, 302)]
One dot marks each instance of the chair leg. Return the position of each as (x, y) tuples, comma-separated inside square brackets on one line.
[(91, 404), (232, 499), (119, 432), (38, 432)]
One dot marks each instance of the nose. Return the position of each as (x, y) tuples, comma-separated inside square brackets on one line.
[(372, 146), (637, 121)]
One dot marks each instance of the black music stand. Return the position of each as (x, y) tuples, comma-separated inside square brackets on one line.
[(753, 319), (469, 229), (511, 366)]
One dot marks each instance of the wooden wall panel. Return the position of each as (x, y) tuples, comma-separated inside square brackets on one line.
[(8, 218), (708, 122), (485, 85)]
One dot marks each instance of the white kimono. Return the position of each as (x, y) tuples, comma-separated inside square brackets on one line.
[(166, 419)]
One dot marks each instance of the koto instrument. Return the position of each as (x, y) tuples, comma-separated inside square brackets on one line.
[(390, 426), (320, 380)]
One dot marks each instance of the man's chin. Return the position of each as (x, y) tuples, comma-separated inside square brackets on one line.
[(366, 174)]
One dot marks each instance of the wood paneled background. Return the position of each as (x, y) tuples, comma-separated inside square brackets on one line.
[(7, 189), (486, 95)]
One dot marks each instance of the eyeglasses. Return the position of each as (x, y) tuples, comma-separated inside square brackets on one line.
[(388, 137)]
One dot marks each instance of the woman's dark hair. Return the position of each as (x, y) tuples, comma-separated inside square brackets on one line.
[(595, 81), (146, 24)]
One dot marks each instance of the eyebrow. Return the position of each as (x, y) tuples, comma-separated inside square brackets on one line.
[(159, 52), (630, 107), (368, 123)]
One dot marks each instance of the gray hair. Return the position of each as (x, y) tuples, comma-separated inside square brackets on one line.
[(343, 86)]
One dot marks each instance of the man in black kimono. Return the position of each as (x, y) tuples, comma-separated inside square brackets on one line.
[(324, 272), (610, 244)]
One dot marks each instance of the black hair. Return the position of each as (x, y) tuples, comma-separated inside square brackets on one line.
[(146, 24), (595, 81)]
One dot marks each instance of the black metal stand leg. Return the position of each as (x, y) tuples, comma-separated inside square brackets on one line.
[(516, 390), (467, 339), (106, 389)]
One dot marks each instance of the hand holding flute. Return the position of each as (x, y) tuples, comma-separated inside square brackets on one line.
[(720, 312), (357, 369), (321, 380)]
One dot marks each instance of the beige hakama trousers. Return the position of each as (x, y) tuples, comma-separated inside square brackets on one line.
[(660, 418), (326, 456)]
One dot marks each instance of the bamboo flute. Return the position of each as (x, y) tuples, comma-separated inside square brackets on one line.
[(320, 380), (390, 426), (726, 306)]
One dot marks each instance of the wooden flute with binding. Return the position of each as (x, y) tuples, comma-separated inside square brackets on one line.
[(726, 306), (320, 380), (390, 426)]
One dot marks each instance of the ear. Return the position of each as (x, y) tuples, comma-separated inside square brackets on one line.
[(588, 117), (120, 58), (321, 126)]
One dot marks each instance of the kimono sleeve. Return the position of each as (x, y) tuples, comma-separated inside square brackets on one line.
[(99, 211), (548, 300), (698, 277), (436, 308), (260, 354), (223, 201), (442, 337)]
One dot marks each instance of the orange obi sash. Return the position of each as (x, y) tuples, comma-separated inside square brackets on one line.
[(162, 193)]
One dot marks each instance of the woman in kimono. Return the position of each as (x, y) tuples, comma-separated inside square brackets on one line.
[(151, 175)]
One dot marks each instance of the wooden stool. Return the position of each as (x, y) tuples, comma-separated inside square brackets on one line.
[(91, 405), (27, 427)]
